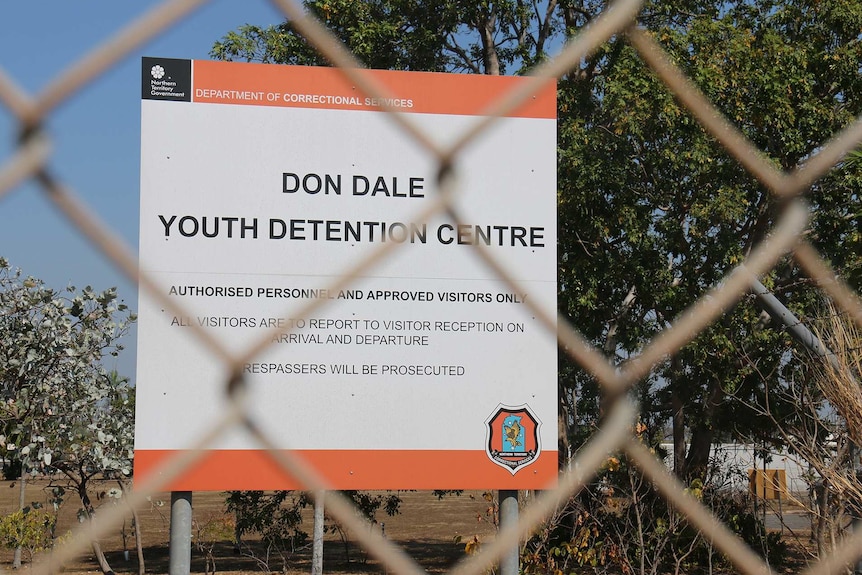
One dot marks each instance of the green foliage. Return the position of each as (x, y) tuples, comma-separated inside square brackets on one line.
[(275, 516), (653, 212), (29, 529), (428, 35), (381, 33), (369, 504)]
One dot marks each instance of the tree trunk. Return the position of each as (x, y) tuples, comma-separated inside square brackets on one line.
[(22, 496), (89, 512), (563, 442), (139, 546), (237, 527), (678, 420), (317, 537), (677, 405), (100, 557), (702, 435), (491, 61), (697, 462)]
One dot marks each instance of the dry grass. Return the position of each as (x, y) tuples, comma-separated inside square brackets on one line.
[(839, 378)]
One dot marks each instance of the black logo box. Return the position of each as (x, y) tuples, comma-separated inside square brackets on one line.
[(166, 79)]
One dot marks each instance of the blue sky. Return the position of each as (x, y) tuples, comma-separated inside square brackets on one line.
[(95, 134)]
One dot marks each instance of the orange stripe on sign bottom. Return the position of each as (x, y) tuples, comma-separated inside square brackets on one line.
[(221, 470)]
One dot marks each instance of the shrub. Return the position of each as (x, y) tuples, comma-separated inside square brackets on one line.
[(29, 529)]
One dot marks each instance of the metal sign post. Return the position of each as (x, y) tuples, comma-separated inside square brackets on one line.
[(180, 562), (508, 501)]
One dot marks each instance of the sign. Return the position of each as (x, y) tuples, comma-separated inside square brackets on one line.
[(260, 186)]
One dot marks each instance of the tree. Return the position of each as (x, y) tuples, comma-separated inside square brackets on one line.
[(61, 411), (94, 439), (276, 517), (428, 35), (654, 212), (367, 505)]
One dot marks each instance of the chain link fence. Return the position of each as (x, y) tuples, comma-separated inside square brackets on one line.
[(31, 159)]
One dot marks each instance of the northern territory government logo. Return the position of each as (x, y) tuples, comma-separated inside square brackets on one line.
[(166, 79), (512, 437)]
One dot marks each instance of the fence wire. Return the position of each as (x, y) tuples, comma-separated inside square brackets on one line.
[(30, 161)]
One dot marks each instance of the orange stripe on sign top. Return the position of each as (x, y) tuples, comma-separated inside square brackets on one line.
[(315, 87), (221, 470)]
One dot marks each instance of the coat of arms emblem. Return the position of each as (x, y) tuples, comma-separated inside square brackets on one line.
[(512, 437)]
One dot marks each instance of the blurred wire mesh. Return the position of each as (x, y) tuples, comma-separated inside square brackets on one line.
[(31, 159)]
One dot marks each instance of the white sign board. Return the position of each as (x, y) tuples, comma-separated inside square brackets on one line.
[(260, 186)]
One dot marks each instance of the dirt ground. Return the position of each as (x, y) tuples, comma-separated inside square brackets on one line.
[(433, 531), (427, 529)]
